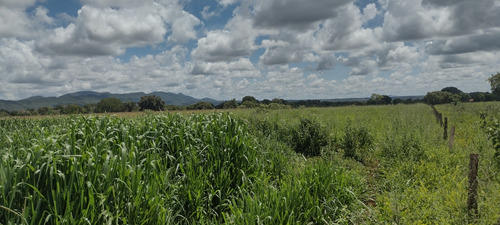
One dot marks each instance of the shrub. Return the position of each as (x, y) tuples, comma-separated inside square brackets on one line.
[(309, 137), (356, 141), (492, 127), (405, 147)]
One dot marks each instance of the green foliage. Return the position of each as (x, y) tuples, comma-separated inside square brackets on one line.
[(220, 169), (130, 106), (320, 193), (356, 142), (151, 102), (110, 105), (45, 111), (249, 99), (201, 105), (403, 147), (481, 96), (452, 90), (309, 137), (99, 170), (72, 109), (492, 127), (440, 97), (249, 102), (495, 83), (231, 104), (377, 99)]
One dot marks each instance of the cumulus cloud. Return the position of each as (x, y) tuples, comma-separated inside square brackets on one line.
[(18, 3), (487, 41), (425, 19), (469, 15), (104, 31), (109, 31), (14, 55), (369, 12), (17, 22), (409, 20), (394, 54), (234, 41), (295, 14), (240, 68), (226, 3)]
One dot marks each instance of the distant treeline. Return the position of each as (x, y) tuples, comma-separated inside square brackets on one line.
[(155, 103)]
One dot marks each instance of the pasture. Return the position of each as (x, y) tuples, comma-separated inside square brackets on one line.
[(340, 165)]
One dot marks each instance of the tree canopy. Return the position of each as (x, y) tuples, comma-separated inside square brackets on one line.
[(110, 105), (495, 83), (452, 90), (151, 102), (440, 97)]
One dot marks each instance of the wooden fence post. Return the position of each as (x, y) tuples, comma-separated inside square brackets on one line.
[(445, 133), (472, 198), (452, 137)]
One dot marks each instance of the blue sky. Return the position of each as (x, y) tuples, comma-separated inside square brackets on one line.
[(224, 49)]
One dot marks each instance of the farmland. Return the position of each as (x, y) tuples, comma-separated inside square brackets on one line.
[(355, 164)]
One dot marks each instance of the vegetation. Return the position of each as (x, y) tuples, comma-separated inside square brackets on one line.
[(200, 106), (355, 165), (151, 102), (160, 169), (309, 137), (495, 84), (110, 105)]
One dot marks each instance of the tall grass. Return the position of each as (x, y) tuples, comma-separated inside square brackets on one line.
[(411, 175), (153, 169), (377, 165)]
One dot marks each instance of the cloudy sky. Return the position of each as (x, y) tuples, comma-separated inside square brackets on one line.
[(224, 49)]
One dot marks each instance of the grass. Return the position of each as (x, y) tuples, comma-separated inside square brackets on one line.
[(375, 164), (153, 169)]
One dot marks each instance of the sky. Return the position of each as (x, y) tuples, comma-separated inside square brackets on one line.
[(225, 49)]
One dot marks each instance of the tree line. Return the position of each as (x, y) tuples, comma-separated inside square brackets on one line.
[(155, 103)]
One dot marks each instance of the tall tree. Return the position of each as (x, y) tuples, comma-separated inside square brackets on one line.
[(231, 104), (151, 102), (452, 90), (495, 83), (110, 105), (249, 102)]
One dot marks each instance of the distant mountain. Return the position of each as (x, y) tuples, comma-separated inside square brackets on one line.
[(85, 97)]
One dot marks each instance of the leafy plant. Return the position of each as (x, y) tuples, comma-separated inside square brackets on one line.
[(492, 127), (357, 140), (309, 137)]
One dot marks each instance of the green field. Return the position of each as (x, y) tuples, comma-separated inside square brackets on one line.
[(342, 165)]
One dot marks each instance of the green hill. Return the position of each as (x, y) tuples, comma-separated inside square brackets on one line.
[(85, 97)]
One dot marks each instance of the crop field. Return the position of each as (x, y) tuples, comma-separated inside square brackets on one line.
[(341, 165)]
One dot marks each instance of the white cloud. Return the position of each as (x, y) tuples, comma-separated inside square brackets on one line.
[(105, 31), (226, 3), (17, 22), (486, 41), (18, 3), (240, 68), (206, 13), (236, 40), (369, 12), (102, 30), (409, 20)]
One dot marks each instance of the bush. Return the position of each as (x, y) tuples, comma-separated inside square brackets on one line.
[(356, 141), (492, 127), (309, 137), (405, 147), (152, 102)]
